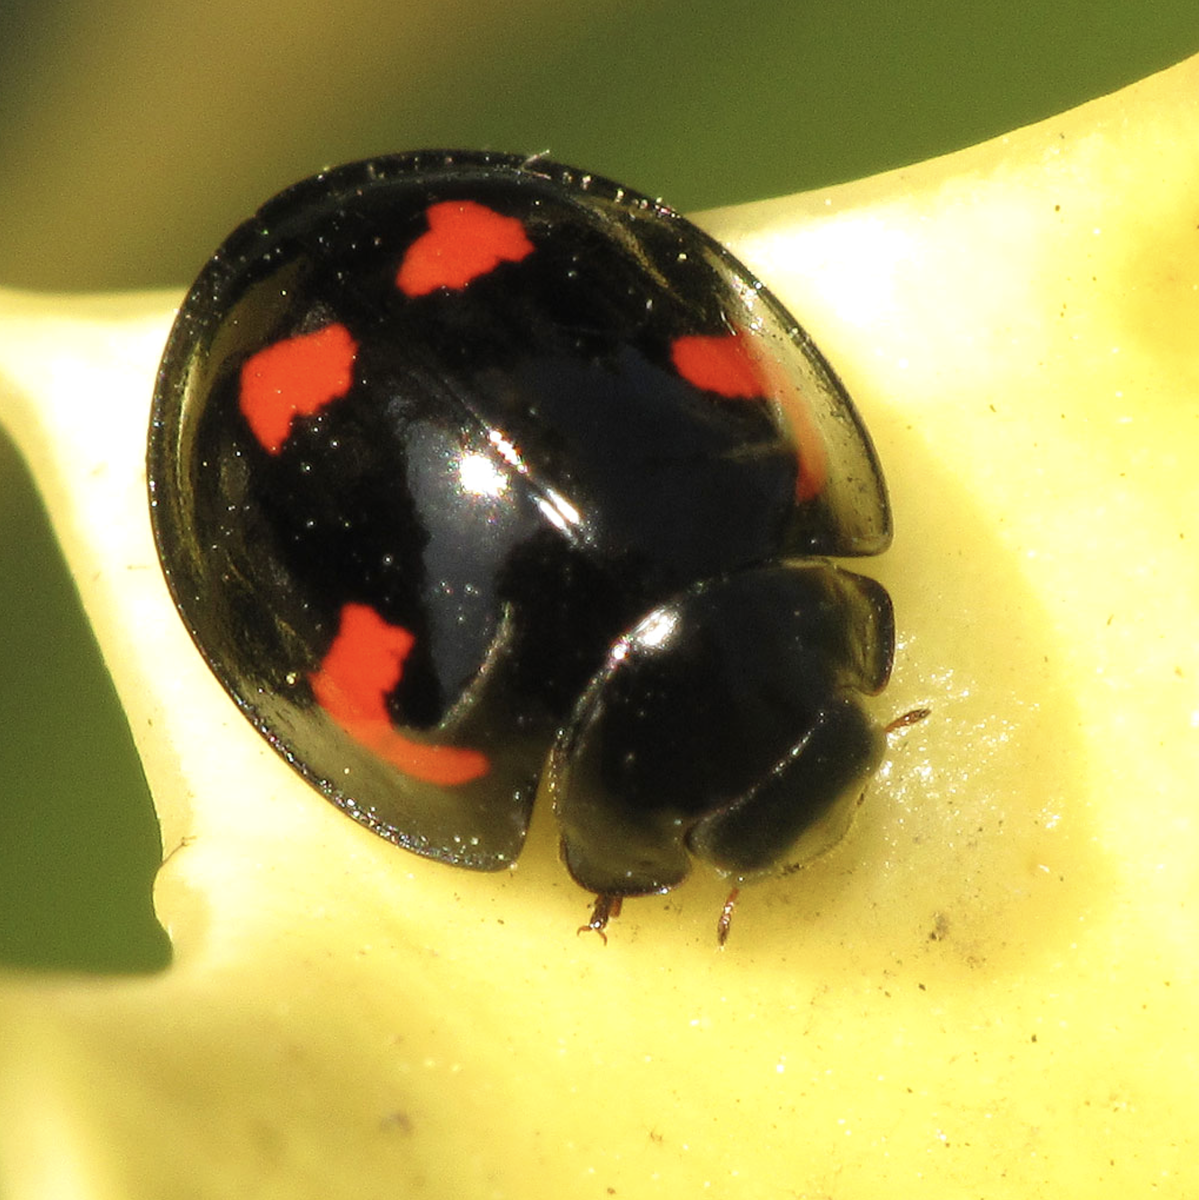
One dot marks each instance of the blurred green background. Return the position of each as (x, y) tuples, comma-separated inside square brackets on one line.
[(134, 136)]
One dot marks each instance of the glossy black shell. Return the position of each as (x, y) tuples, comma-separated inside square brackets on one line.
[(518, 473)]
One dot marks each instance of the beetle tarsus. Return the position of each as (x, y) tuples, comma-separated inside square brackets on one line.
[(726, 917), (606, 907)]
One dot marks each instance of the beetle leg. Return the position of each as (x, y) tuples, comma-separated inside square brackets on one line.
[(726, 917), (606, 907)]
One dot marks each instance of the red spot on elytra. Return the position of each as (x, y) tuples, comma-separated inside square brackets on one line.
[(721, 364), (464, 240), (363, 665), (786, 391), (295, 378), (727, 365)]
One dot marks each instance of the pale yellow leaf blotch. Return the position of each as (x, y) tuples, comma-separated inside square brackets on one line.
[(987, 989)]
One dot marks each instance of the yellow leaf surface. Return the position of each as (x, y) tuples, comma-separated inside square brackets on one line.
[(988, 989)]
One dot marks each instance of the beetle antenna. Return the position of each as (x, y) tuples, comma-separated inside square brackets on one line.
[(908, 718)]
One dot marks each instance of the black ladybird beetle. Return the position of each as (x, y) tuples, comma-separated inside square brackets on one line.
[(468, 470)]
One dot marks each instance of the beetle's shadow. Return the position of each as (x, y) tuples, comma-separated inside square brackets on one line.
[(972, 850)]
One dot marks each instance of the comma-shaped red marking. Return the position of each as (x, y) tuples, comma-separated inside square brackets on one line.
[(721, 364), (810, 448), (363, 665), (726, 364), (295, 378), (464, 240)]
